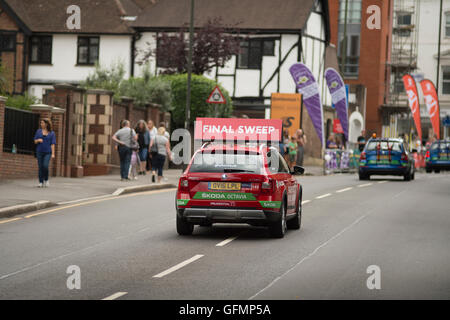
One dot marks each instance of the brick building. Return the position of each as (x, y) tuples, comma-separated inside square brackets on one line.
[(367, 55)]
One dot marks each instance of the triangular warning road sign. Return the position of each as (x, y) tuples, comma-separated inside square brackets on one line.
[(216, 96)]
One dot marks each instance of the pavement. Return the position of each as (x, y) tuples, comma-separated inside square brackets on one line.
[(126, 247), (23, 195)]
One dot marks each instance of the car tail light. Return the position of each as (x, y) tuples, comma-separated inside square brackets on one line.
[(184, 184), (267, 186), (428, 154), (363, 156), (404, 157)]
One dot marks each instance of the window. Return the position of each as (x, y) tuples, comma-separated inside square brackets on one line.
[(252, 52), (404, 19), (41, 49), (403, 32), (447, 24), (353, 11), (223, 161), (446, 80), (168, 44), (7, 42), (88, 50)]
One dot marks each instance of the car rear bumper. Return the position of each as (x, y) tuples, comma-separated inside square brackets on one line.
[(441, 166), (234, 215), (395, 171)]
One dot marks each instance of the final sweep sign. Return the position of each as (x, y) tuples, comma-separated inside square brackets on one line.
[(238, 129)]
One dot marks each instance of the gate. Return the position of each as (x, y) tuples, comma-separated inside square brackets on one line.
[(19, 129)]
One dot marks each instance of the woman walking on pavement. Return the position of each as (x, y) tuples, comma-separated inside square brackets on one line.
[(153, 132), (301, 142), (124, 138), (45, 140), (144, 141), (159, 158)]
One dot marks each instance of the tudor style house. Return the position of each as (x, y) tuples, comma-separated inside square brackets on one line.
[(38, 49)]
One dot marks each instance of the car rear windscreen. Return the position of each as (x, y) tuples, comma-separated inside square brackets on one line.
[(227, 163), (384, 145)]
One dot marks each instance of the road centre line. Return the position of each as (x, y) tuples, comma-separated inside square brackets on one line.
[(99, 200), (115, 296), (323, 196), (225, 242), (178, 266), (306, 201), (344, 190), (380, 182), (365, 185)]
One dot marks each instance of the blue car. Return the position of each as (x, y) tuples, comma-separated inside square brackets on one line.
[(438, 157), (386, 156)]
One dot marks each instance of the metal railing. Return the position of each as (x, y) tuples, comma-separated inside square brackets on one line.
[(19, 129)]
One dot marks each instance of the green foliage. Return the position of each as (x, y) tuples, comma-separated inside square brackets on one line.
[(147, 89), (3, 81), (21, 101), (107, 78), (201, 89)]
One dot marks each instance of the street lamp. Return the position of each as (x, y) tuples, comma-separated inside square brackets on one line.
[(189, 68)]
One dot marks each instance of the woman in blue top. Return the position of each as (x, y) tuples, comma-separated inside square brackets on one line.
[(45, 150)]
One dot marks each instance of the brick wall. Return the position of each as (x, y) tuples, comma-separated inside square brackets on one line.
[(14, 61), (14, 165)]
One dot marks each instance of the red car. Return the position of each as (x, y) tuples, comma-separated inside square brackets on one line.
[(239, 184)]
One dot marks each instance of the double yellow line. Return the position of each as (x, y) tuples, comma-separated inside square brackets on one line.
[(86, 203)]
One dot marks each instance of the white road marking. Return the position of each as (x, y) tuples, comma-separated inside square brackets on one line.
[(380, 182), (178, 266), (306, 201), (115, 296), (343, 190), (364, 185), (85, 199), (225, 242), (310, 255), (323, 196)]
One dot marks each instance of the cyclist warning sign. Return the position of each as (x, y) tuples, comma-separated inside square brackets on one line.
[(216, 96)]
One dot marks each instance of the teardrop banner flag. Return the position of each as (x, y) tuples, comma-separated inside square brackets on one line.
[(413, 101), (339, 97), (307, 86), (432, 102)]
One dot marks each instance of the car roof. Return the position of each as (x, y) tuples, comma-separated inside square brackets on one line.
[(232, 148)]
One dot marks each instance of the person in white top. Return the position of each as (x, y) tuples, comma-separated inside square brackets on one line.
[(153, 133)]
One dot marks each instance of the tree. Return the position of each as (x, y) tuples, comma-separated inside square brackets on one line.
[(201, 88), (214, 44)]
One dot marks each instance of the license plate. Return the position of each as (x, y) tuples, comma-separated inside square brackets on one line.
[(384, 157), (230, 186)]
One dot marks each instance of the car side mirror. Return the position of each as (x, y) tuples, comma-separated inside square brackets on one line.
[(298, 170)]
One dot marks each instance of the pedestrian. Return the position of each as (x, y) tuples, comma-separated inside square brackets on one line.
[(144, 141), (166, 133), (286, 140), (153, 132), (301, 142), (124, 138), (45, 140), (135, 164), (293, 151), (331, 142), (158, 160), (362, 140)]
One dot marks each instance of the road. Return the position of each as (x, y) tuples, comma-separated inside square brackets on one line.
[(127, 247)]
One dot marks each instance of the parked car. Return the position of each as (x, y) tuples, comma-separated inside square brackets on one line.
[(239, 184), (386, 156), (438, 157)]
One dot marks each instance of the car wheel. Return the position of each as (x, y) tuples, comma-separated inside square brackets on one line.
[(362, 176), (428, 170), (184, 228), (206, 224), (413, 175), (437, 171), (296, 222), (407, 177), (278, 229)]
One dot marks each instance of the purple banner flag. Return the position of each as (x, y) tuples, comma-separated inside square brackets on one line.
[(338, 96), (307, 86)]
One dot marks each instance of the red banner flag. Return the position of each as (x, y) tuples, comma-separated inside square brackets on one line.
[(432, 102), (413, 100)]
